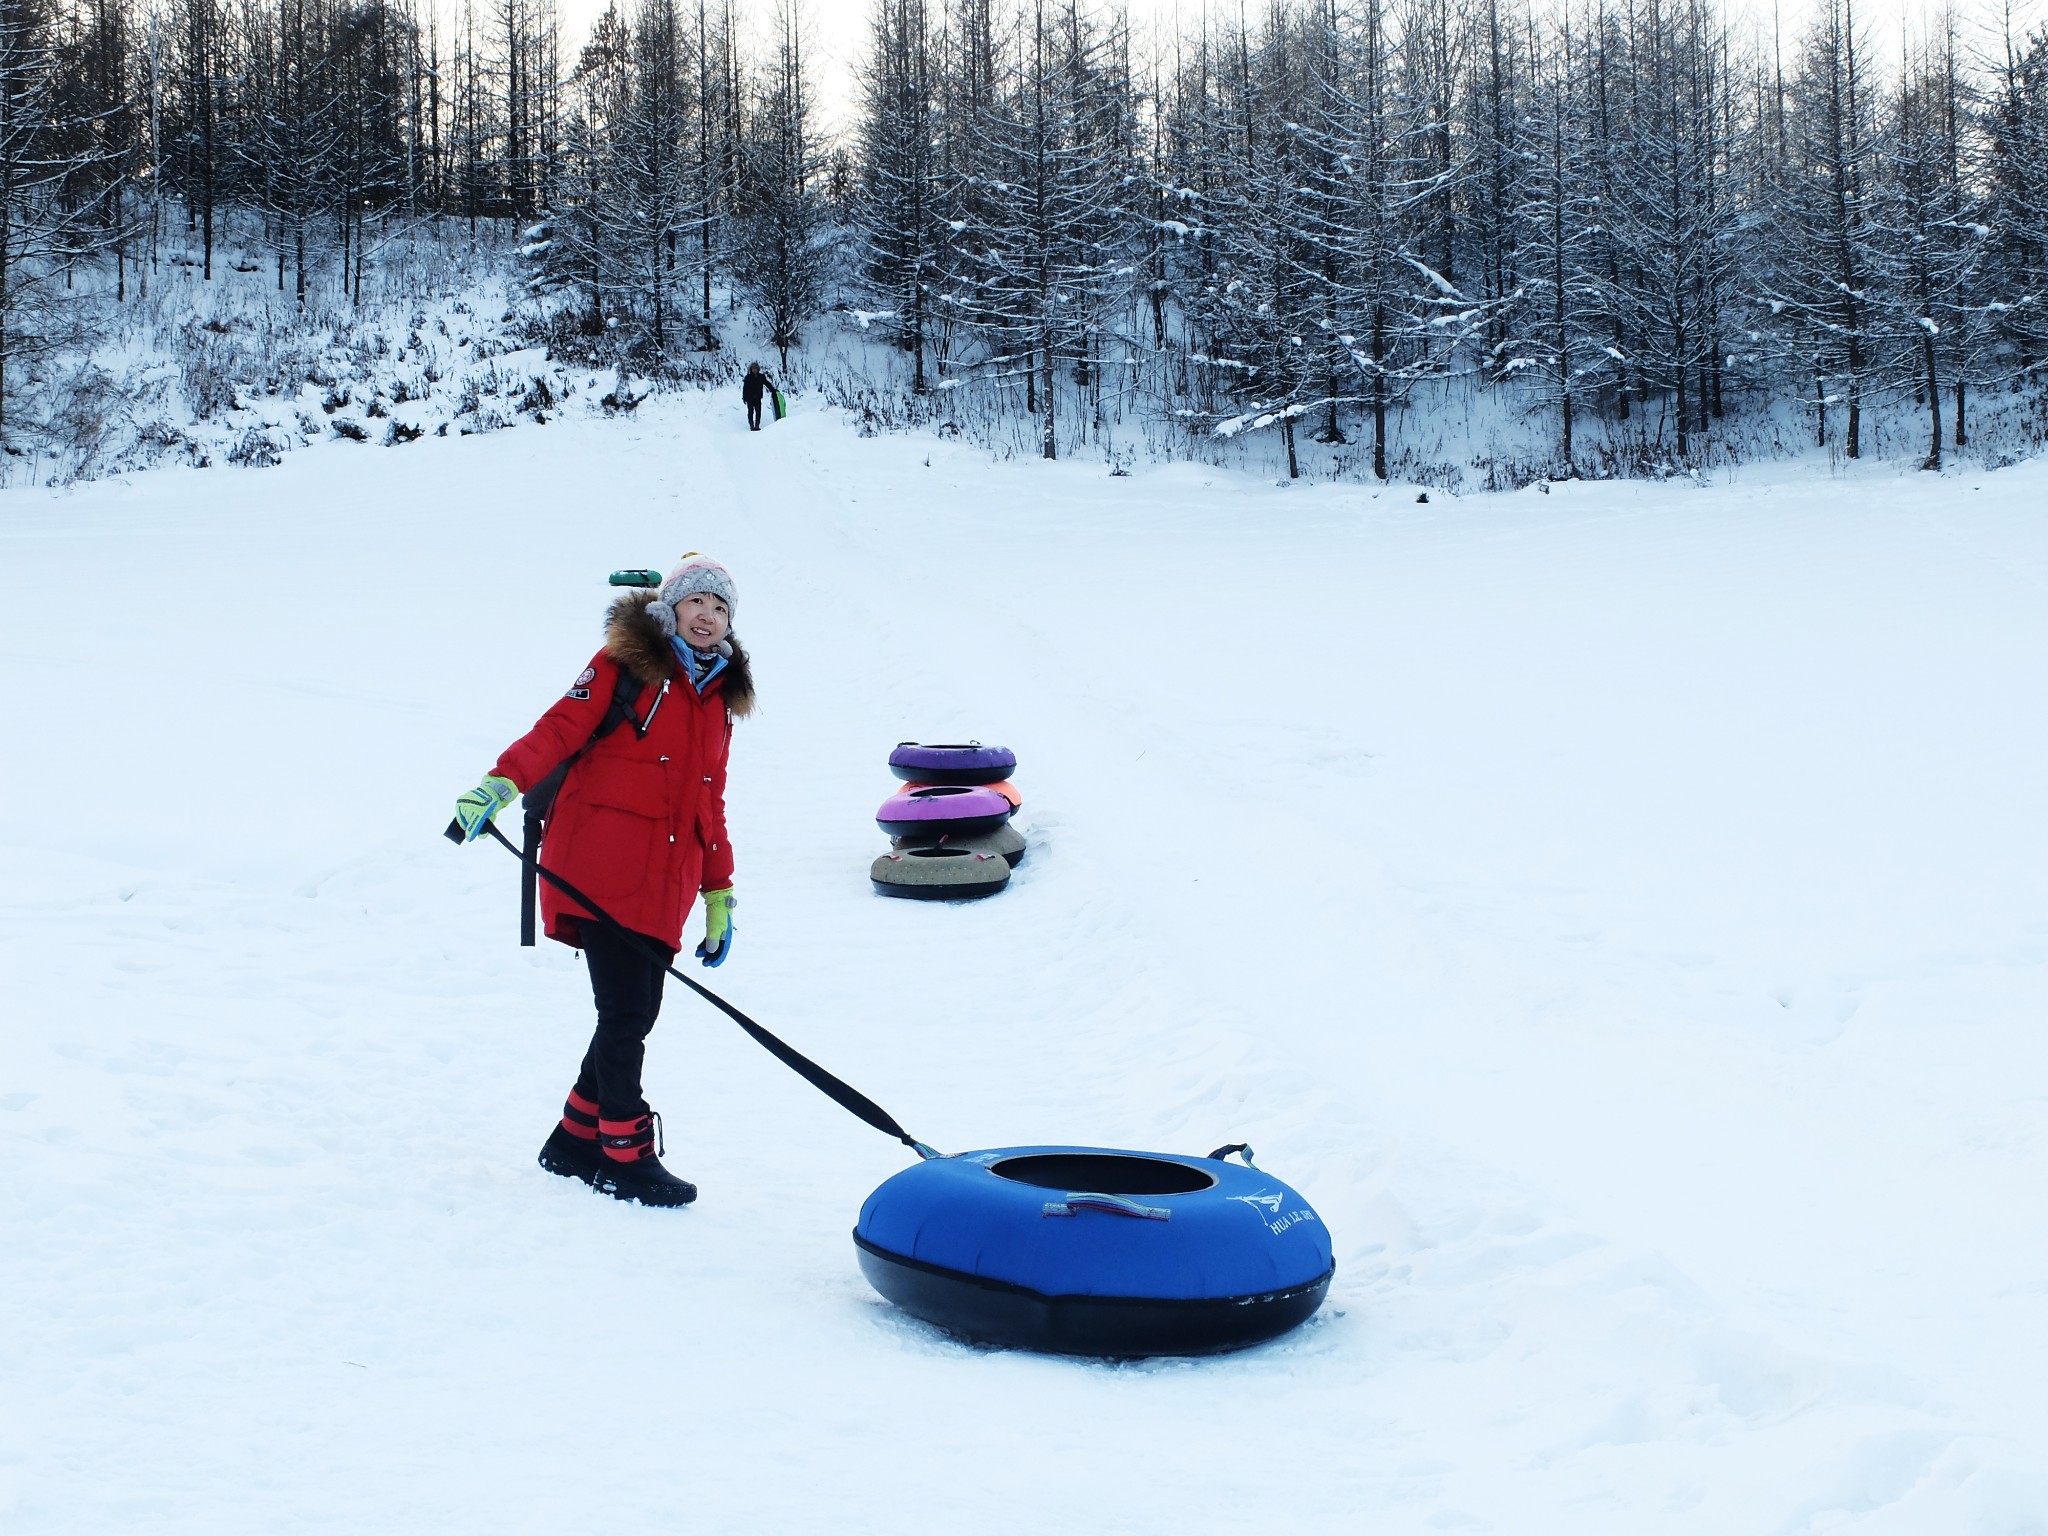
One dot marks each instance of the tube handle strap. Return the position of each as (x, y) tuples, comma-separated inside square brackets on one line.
[(1115, 1205)]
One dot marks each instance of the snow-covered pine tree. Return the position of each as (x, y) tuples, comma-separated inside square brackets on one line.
[(1928, 244), (372, 52), (1438, 160), (1670, 215), (288, 132), (1373, 178), (106, 139), (1345, 211), (711, 154), (1823, 242), (2014, 125), (1103, 275), (1038, 239), (197, 71), (1189, 171), (524, 36), (898, 177), (781, 263), (56, 185), (624, 225), (1496, 128), (1557, 337), (574, 245), (966, 179), (654, 210), (1263, 296)]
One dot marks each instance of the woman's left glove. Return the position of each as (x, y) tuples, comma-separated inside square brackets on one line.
[(717, 943)]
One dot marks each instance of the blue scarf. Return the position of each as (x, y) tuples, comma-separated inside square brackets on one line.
[(699, 667)]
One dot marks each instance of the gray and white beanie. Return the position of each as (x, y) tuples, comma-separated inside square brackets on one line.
[(694, 573)]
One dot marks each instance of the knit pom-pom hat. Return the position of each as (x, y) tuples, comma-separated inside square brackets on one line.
[(694, 573)]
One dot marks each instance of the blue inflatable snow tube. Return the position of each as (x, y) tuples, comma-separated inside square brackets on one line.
[(1093, 1251)]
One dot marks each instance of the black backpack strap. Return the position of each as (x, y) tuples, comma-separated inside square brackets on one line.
[(539, 801), (529, 877)]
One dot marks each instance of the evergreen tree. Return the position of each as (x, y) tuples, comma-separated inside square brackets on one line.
[(897, 206), (2014, 308), (1824, 242), (58, 183), (1557, 341), (781, 262)]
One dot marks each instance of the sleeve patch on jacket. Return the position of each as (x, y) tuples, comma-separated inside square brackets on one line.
[(585, 678), (577, 693)]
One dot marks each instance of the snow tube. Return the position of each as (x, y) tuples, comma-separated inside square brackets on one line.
[(957, 808), (1008, 842), (957, 763), (1002, 787), (940, 874), (1090, 1251)]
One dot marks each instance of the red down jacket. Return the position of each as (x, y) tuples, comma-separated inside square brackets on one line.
[(639, 825)]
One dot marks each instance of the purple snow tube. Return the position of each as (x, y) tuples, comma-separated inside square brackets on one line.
[(960, 763), (958, 809)]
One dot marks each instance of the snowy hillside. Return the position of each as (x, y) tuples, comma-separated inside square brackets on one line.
[(1620, 908)]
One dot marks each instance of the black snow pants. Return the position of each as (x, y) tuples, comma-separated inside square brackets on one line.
[(626, 985), (754, 413)]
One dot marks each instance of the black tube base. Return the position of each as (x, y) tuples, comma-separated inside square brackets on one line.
[(1106, 1327), (959, 826), (941, 892), (951, 775)]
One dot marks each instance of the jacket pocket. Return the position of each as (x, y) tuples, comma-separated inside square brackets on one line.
[(623, 784), (614, 835)]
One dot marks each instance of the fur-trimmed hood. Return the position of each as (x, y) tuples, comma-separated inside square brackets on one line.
[(635, 642)]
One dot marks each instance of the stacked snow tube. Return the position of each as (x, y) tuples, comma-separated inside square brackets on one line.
[(939, 874), (1005, 842), (949, 823), (942, 810), (951, 763), (1093, 1251)]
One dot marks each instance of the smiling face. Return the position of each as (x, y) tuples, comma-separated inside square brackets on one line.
[(701, 620)]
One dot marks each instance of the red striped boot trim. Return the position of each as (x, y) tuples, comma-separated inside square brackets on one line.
[(579, 1116), (627, 1141)]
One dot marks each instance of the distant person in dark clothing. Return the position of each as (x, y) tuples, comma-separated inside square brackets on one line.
[(752, 389)]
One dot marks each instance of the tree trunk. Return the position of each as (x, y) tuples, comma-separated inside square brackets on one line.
[(1379, 393), (1852, 444), (1049, 441), (1684, 405), (1379, 426), (1933, 459)]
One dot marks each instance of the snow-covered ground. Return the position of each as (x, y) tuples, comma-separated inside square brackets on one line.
[(1622, 910)]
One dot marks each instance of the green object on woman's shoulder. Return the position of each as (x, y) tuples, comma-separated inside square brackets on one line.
[(636, 578)]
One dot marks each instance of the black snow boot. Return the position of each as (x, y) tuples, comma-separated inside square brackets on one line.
[(631, 1168), (571, 1148)]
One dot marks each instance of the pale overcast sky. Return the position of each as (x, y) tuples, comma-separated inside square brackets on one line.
[(838, 28)]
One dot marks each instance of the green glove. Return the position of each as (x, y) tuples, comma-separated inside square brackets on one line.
[(717, 943), (473, 812)]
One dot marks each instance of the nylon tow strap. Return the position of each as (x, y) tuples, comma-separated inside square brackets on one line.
[(847, 1097)]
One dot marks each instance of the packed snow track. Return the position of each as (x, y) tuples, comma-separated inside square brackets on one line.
[(1622, 911)]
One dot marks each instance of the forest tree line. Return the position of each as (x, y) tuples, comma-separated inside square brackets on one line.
[(1286, 219)]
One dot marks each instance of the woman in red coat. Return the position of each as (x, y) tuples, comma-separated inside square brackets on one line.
[(639, 827)]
